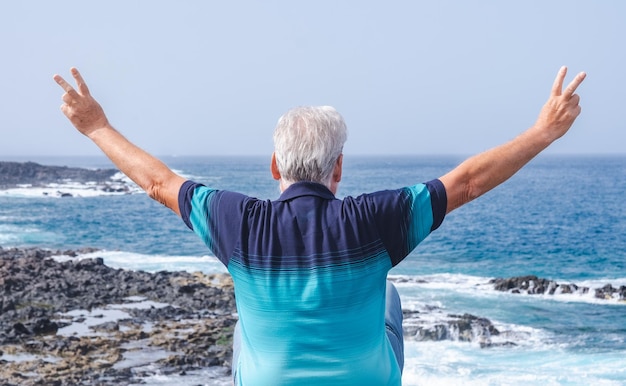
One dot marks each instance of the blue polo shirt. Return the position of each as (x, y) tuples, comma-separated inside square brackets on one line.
[(310, 275)]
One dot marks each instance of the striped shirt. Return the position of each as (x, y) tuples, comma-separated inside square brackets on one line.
[(310, 274)]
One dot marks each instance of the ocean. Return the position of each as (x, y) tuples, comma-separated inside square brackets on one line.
[(561, 218)]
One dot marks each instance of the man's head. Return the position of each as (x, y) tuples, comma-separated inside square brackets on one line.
[(308, 145)]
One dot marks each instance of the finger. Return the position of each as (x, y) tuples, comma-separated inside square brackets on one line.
[(68, 99), (61, 82), (80, 82), (575, 99), (571, 88), (557, 86)]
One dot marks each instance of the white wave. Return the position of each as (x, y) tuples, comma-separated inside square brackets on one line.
[(480, 286), (443, 281), (153, 263), (196, 177), (119, 184), (451, 363), (432, 317)]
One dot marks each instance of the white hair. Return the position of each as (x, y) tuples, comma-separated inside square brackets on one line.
[(307, 143)]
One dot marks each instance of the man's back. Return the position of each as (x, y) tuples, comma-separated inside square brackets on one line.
[(310, 278)]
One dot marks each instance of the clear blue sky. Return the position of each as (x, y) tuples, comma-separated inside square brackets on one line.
[(212, 78)]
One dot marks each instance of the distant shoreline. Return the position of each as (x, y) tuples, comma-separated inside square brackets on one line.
[(31, 178), (14, 174)]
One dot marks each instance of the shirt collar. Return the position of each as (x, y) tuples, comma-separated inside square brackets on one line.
[(305, 188)]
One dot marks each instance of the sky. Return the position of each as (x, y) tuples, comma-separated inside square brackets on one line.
[(212, 77)]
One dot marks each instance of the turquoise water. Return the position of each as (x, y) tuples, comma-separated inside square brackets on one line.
[(561, 218)]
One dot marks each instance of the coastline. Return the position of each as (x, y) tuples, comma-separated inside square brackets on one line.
[(79, 321), (33, 179), (437, 300), (66, 319)]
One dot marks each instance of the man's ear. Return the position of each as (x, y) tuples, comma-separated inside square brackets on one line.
[(274, 168), (338, 169)]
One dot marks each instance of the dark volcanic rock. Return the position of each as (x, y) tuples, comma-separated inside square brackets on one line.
[(533, 285), (461, 328), (13, 174), (608, 292), (190, 323), (530, 284)]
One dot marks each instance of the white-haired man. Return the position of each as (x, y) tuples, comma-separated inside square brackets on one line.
[(309, 269)]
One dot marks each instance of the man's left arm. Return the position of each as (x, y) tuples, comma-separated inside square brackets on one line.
[(483, 172), (86, 114)]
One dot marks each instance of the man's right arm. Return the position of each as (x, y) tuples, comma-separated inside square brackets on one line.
[(483, 172), (86, 114)]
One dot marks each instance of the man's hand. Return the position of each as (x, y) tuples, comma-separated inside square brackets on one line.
[(483, 172), (79, 106), (562, 108), (148, 172)]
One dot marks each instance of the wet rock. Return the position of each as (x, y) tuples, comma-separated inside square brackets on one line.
[(609, 292), (529, 284), (532, 285), (20, 329), (192, 322), (460, 328), (44, 326), (107, 327)]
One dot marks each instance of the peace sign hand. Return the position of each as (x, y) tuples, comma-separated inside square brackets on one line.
[(79, 106), (562, 108)]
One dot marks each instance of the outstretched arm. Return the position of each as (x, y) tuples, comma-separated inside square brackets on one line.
[(86, 114), (483, 172)]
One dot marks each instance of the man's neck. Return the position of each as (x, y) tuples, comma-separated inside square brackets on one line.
[(285, 184)]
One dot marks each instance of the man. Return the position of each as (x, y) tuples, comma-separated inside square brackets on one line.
[(310, 270)]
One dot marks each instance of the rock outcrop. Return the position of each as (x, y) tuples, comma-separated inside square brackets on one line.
[(533, 285), (13, 174), (63, 181), (56, 325)]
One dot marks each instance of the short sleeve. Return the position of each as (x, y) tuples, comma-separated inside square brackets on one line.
[(438, 202), (407, 216), (185, 195), (195, 204), (214, 215)]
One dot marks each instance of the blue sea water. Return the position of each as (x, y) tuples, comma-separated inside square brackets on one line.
[(561, 218)]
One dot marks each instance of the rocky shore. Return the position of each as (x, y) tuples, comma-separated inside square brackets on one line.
[(71, 321), (81, 322)]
